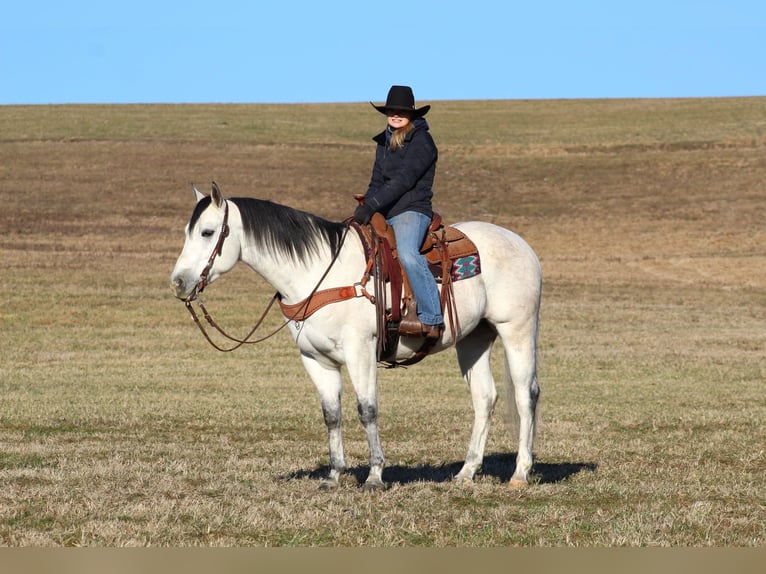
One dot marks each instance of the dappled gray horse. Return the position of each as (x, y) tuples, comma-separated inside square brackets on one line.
[(297, 252)]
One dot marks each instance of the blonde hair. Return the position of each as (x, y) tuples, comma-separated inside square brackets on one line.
[(397, 138)]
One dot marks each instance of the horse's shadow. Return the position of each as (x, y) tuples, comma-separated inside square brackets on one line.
[(498, 466)]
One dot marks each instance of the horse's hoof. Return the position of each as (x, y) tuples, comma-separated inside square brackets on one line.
[(328, 484), (374, 486), (518, 484), (462, 480)]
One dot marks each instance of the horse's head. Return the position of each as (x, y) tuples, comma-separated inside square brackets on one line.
[(204, 257)]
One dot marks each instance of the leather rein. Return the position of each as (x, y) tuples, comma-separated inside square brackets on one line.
[(297, 312)]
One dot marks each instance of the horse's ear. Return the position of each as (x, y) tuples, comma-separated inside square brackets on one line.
[(216, 195), (197, 193)]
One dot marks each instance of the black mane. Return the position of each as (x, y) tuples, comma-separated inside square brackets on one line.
[(286, 231), (280, 229)]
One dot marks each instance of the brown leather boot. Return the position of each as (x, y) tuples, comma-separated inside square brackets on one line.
[(433, 331)]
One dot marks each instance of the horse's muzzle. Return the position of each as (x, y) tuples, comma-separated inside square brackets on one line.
[(183, 290)]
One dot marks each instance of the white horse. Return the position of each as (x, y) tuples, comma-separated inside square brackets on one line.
[(294, 251)]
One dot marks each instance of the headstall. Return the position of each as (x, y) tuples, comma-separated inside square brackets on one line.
[(217, 250)]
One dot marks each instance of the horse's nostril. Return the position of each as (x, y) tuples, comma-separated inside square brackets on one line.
[(177, 283)]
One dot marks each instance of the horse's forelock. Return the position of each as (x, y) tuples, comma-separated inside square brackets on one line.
[(201, 206)]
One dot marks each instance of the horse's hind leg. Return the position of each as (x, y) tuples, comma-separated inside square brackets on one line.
[(521, 371), (473, 353)]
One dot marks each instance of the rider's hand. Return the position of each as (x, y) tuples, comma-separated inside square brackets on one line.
[(363, 213)]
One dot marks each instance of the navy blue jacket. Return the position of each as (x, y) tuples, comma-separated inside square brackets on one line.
[(402, 179)]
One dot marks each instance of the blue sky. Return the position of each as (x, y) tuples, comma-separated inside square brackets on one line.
[(352, 51)]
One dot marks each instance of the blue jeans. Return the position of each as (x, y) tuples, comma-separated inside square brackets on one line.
[(410, 228)]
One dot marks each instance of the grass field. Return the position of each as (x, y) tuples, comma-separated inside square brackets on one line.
[(120, 426)]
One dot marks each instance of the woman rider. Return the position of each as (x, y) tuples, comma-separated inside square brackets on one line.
[(401, 190)]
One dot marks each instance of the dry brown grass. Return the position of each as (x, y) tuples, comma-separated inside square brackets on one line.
[(119, 426)]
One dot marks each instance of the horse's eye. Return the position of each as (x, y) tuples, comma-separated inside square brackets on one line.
[(207, 233)]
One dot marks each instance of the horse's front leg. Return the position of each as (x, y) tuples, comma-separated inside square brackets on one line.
[(362, 369), (329, 383)]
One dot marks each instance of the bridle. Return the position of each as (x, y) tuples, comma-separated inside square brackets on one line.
[(203, 282), (217, 250)]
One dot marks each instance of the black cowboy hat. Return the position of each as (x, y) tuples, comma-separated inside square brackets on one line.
[(401, 99)]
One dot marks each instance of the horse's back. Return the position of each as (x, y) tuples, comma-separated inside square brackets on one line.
[(510, 270), (501, 248)]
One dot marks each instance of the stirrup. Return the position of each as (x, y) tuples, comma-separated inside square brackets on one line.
[(411, 326)]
